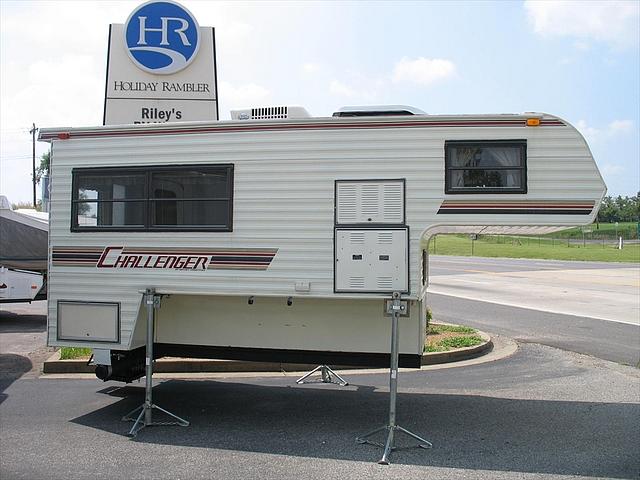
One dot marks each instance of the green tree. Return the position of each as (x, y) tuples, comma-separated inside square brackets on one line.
[(619, 209), (43, 168)]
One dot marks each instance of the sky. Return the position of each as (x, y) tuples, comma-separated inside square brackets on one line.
[(577, 60)]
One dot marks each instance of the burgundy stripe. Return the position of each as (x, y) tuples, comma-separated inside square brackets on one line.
[(253, 127)]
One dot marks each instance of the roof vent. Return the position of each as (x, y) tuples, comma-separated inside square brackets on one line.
[(378, 111), (269, 113)]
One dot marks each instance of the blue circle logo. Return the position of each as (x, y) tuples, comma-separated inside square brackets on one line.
[(161, 37)]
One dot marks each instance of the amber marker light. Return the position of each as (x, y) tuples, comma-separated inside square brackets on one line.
[(533, 122)]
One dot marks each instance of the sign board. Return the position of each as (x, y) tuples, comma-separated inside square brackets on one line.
[(160, 68)]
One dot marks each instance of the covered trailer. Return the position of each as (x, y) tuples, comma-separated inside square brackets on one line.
[(277, 236), (23, 253)]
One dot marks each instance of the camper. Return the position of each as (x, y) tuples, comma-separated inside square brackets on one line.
[(278, 236), (23, 253)]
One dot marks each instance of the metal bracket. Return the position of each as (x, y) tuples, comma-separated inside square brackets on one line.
[(327, 376), (402, 312)]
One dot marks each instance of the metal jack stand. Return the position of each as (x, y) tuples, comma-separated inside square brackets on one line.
[(144, 419), (327, 375), (395, 308)]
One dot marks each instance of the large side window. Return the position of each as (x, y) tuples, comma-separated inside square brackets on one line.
[(491, 166), (153, 198)]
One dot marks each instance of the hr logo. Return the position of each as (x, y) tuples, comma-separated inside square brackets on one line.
[(161, 37)]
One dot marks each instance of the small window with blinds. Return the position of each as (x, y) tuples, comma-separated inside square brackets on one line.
[(372, 202), (486, 166)]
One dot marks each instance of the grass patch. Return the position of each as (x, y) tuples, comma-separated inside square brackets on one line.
[(71, 353), (449, 343), (460, 342), (436, 329), (442, 338), (532, 247)]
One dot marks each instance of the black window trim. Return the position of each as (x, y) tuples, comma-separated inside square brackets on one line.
[(148, 170), (520, 143)]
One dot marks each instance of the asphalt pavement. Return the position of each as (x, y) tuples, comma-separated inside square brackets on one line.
[(541, 413), (617, 342), (607, 291)]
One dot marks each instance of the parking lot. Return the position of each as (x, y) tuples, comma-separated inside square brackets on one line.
[(542, 412), (539, 413)]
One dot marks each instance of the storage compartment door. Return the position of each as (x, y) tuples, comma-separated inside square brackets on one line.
[(89, 321), (372, 260)]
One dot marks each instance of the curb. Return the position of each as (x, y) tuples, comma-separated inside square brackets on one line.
[(53, 365), (459, 354)]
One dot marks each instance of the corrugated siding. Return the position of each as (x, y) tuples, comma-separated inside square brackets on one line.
[(284, 199)]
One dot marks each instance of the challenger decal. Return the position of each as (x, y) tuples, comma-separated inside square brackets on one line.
[(119, 257), (517, 207)]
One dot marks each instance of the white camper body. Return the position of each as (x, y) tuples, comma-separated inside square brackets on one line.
[(19, 285), (318, 221)]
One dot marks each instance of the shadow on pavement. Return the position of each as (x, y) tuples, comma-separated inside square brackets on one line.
[(12, 367), (468, 431), (16, 322)]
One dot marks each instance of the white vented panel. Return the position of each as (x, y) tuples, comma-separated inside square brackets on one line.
[(370, 202), (371, 261)]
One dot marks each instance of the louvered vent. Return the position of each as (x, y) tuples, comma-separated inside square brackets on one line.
[(370, 202), (385, 283), (356, 238), (268, 112), (385, 238), (356, 282)]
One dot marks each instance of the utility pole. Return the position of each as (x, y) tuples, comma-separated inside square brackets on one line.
[(33, 152)]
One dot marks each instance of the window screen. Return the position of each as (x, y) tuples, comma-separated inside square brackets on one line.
[(153, 198), (486, 166)]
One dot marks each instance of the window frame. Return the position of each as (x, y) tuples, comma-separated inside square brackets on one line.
[(522, 168), (148, 172)]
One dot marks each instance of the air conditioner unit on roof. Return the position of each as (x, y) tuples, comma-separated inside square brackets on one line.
[(269, 113)]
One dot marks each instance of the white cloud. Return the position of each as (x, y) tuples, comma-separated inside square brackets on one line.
[(621, 126), (310, 67), (615, 22), (338, 88), (612, 169), (360, 87), (611, 130), (423, 71), (241, 96)]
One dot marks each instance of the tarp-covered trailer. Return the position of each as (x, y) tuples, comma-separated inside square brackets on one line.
[(278, 236), (23, 253)]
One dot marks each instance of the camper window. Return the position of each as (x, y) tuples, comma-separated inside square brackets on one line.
[(153, 198), (491, 166)]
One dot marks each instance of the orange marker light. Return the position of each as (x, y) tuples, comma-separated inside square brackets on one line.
[(533, 122)]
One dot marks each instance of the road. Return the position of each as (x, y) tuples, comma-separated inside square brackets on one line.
[(460, 287), (605, 291), (543, 412)]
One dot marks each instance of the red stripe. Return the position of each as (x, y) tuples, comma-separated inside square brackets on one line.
[(126, 251), (312, 126)]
